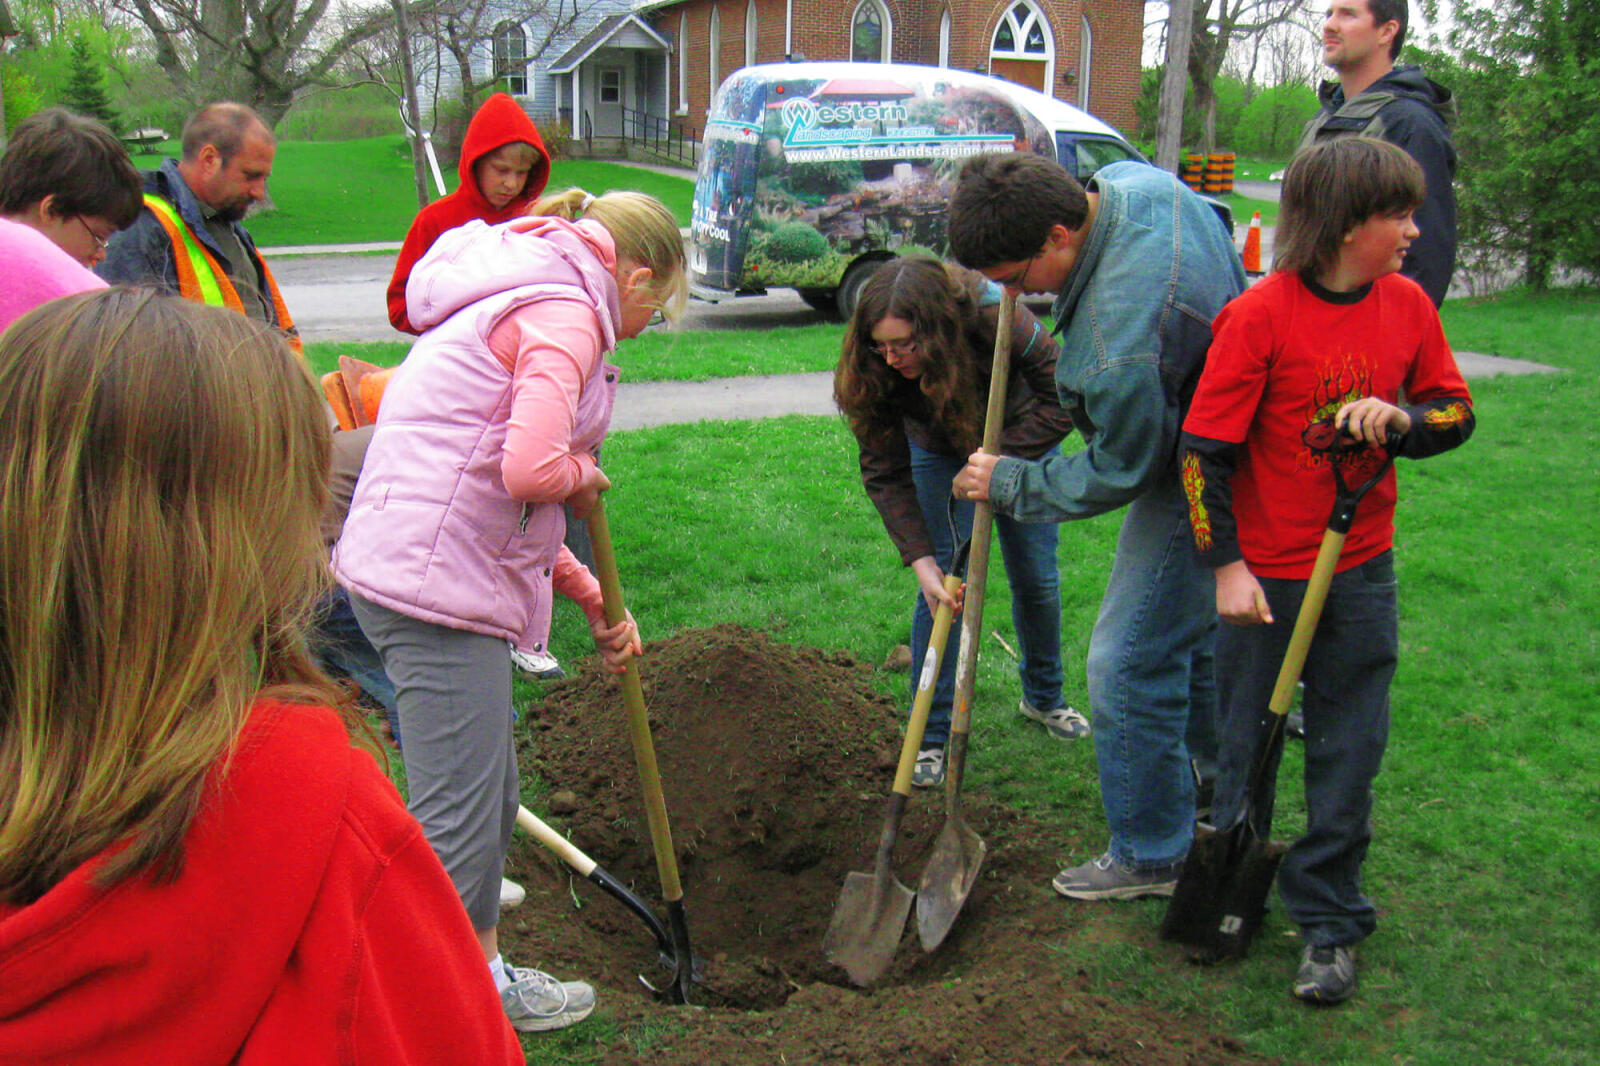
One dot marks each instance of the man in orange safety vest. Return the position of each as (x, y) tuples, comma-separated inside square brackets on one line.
[(188, 239)]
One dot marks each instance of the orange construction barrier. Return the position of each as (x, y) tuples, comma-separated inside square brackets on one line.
[(1252, 246), (1194, 167), (1219, 173)]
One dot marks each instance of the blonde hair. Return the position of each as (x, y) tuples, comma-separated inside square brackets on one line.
[(644, 231), (162, 468)]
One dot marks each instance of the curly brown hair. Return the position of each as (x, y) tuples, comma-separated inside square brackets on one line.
[(941, 302)]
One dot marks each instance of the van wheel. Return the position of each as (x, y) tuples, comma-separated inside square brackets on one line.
[(850, 285), (822, 300)]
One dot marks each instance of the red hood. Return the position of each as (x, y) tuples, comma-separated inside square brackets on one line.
[(500, 122)]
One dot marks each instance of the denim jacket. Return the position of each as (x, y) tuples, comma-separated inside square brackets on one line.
[(1134, 323)]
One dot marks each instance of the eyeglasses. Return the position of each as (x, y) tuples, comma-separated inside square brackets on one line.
[(1020, 280), (100, 242), (909, 346)]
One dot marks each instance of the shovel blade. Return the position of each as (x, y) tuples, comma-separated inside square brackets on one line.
[(867, 924), (947, 880), (1221, 895)]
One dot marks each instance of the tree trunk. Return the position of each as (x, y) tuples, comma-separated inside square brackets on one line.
[(1169, 113), (408, 76)]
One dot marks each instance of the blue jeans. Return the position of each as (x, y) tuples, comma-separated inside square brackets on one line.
[(344, 651), (1150, 680), (1029, 550), (1346, 703)]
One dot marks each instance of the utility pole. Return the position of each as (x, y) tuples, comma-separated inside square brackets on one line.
[(1174, 80)]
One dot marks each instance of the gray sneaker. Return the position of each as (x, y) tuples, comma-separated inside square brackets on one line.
[(1106, 878), (1063, 723), (536, 1002), (1326, 975), (929, 771)]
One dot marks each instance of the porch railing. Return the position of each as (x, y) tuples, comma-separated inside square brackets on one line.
[(666, 137)]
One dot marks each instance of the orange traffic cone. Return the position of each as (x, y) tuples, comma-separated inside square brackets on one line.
[(1252, 247)]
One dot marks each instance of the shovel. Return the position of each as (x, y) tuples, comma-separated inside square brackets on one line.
[(1221, 895), (952, 869), (675, 990), (568, 852), (872, 908)]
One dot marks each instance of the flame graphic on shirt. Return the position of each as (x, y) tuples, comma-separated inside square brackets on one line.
[(1342, 379), (1194, 484), (1452, 414)]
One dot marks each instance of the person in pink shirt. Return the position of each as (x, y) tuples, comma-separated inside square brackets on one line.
[(455, 530), (66, 185)]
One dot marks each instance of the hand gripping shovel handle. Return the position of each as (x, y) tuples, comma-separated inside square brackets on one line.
[(927, 681), (644, 754), (958, 851), (978, 561)]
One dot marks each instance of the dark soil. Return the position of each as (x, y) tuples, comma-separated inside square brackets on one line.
[(776, 762)]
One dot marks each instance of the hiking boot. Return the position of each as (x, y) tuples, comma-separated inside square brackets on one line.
[(537, 663), (511, 894), (1106, 878), (929, 771), (536, 1002), (1326, 975), (1063, 723)]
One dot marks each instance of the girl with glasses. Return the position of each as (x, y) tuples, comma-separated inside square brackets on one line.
[(913, 380)]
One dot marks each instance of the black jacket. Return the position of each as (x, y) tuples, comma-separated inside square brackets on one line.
[(1405, 108)]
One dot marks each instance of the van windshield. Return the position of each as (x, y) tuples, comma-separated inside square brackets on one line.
[(1083, 155)]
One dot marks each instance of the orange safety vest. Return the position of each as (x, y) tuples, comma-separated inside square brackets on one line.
[(211, 284)]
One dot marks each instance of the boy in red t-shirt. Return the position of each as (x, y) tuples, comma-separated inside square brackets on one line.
[(1334, 333)]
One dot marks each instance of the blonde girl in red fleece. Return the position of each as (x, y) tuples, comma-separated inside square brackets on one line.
[(196, 866)]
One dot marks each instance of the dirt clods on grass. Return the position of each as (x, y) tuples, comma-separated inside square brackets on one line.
[(776, 762)]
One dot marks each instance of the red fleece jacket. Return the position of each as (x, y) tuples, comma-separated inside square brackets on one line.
[(498, 122), (311, 924)]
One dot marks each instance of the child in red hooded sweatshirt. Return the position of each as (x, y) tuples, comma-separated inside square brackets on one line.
[(504, 167)]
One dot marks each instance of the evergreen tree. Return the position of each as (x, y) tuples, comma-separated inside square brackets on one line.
[(84, 92)]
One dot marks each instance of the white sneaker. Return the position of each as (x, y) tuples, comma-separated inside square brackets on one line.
[(538, 663), (1063, 723), (511, 894), (536, 1002)]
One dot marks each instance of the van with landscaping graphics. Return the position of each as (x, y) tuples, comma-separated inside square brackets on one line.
[(812, 173)]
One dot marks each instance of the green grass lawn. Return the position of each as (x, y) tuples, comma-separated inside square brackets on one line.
[(349, 192), (1484, 865)]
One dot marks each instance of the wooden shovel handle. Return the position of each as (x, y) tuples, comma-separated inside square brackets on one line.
[(927, 681), (644, 750), (978, 563)]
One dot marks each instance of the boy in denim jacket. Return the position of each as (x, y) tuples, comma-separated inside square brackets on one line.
[(1141, 266)]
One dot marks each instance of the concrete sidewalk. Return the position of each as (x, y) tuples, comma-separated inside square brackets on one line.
[(658, 403)]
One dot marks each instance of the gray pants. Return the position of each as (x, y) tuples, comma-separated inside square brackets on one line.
[(453, 695)]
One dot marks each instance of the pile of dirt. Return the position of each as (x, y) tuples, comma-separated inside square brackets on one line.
[(776, 762)]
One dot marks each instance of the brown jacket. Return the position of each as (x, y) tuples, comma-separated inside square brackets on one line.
[(1034, 423)]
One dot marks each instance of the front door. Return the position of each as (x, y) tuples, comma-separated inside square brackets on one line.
[(608, 101)]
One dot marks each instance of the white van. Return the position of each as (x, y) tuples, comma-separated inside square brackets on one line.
[(812, 173)]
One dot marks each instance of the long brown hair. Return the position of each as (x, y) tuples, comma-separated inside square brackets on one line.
[(162, 468), (941, 303), (1333, 187)]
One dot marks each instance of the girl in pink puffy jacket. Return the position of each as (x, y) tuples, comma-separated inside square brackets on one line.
[(490, 424)]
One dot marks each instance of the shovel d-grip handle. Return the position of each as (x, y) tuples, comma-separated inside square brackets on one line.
[(1345, 501), (644, 751)]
